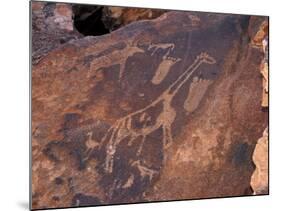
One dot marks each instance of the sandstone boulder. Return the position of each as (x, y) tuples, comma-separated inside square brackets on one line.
[(161, 109)]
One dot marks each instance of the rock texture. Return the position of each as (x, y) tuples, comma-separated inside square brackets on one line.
[(52, 25), (99, 20), (259, 181), (258, 31), (161, 109), (265, 73), (116, 17)]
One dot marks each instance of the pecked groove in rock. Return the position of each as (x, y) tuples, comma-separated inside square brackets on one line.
[(171, 104)]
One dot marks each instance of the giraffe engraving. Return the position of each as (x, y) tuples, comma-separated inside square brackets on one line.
[(124, 128), (121, 150)]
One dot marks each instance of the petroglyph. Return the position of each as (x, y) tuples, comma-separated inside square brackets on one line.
[(144, 171), (107, 131), (91, 143), (195, 20), (85, 129), (163, 69), (118, 56), (129, 182), (124, 128), (196, 92), (166, 63), (155, 47)]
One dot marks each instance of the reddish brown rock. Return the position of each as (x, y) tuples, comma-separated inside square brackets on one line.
[(162, 109), (265, 73), (258, 32), (116, 17), (99, 20), (52, 26), (259, 181)]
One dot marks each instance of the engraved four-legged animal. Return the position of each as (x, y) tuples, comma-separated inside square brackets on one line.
[(124, 128)]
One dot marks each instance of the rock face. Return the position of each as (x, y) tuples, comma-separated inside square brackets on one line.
[(258, 32), (52, 25), (116, 17), (259, 181), (161, 109), (99, 20)]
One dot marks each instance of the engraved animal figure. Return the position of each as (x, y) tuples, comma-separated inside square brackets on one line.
[(125, 127), (116, 57), (166, 63)]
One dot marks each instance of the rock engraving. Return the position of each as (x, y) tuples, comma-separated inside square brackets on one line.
[(124, 127), (167, 61), (115, 57)]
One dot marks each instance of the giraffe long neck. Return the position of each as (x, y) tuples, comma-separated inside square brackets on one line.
[(169, 93), (176, 85)]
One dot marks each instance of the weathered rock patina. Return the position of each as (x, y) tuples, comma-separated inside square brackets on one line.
[(116, 17), (162, 109), (52, 25), (259, 181)]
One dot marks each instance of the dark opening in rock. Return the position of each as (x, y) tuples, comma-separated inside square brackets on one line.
[(88, 20)]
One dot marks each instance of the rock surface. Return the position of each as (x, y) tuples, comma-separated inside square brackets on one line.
[(116, 17), (258, 31), (98, 20), (259, 181), (52, 25), (161, 109)]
